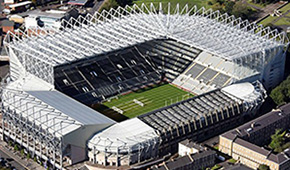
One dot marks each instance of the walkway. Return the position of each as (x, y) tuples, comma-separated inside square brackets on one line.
[(263, 12), (26, 164), (97, 6)]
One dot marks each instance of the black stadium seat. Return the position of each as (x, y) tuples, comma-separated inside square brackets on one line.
[(100, 77)]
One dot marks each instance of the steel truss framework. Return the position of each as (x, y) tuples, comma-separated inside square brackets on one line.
[(221, 34), (141, 146), (35, 125)]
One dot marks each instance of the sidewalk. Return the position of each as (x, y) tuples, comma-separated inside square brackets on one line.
[(27, 164)]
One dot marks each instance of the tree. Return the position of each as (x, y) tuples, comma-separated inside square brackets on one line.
[(281, 94), (277, 140), (108, 5), (217, 6), (263, 167), (16, 147), (242, 10), (229, 5)]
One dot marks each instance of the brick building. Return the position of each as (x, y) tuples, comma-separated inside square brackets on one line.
[(245, 142)]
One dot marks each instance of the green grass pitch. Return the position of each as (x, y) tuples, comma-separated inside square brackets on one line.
[(152, 98)]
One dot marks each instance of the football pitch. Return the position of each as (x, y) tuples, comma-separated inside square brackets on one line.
[(146, 100)]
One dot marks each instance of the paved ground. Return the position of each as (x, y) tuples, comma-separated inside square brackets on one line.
[(96, 7), (212, 141), (4, 69), (1, 5), (11, 161), (22, 162), (263, 12)]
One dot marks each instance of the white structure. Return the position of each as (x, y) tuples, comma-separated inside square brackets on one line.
[(49, 19), (219, 50), (48, 124), (188, 147), (124, 143), (246, 45)]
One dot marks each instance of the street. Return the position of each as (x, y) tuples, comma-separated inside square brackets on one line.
[(96, 6), (11, 161), (4, 69)]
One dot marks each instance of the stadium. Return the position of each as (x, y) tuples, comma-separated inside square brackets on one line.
[(176, 72)]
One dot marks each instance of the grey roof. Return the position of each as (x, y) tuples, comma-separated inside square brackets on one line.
[(78, 2), (181, 162), (259, 123), (71, 107), (192, 144), (7, 23), (237, 135)]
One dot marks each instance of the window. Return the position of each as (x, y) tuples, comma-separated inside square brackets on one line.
[(133, 62), (118, 78), (65, 82), (93, 73), (119, 66), (94, 94), (142, 71), (85, 89)]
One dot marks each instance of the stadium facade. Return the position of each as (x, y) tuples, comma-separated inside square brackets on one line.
[(95, 57)]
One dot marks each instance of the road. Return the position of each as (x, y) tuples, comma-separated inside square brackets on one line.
[(96, 6), (23, 162), (4, 69), (11, 161), (2, 5), (263, 12)]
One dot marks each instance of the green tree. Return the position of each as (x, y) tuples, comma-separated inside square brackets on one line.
[(242, 10), (108, 5), (263, 167), (229, 5), (16, 147), (277, 140), (281, 94)]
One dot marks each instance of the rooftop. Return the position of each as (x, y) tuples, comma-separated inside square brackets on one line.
[(57, 14), (185, 160), (77, 2), (71, 107), (51, 110), (128, 134), (231, 38), (192, 144), (261, 122), (7, 23)]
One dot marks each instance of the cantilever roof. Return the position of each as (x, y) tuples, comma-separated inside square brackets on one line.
[(53, 111), (71, 107), (220, 34), (121, 137)]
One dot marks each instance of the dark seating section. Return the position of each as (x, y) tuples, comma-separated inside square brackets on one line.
[(103, 76), (182, 112), (93, 80), (169, 55)]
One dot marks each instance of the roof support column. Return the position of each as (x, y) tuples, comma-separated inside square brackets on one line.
[(60, 154)]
